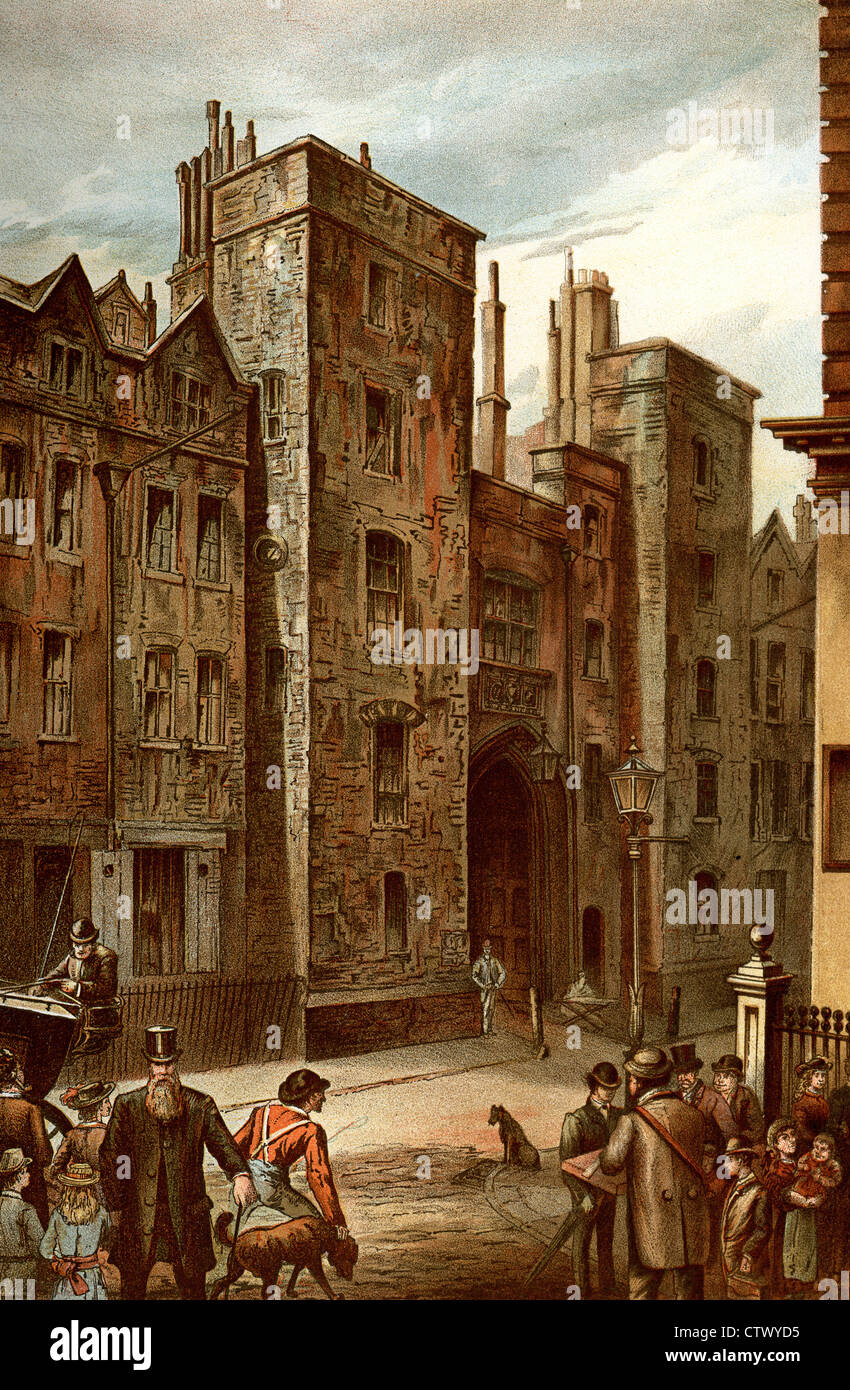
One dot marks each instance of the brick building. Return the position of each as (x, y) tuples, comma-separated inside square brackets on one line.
[(85, 382), (351, 303), (782, 706)]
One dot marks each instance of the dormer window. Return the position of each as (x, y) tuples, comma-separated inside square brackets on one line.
[(191, 400), (65, 371), (120, 325)]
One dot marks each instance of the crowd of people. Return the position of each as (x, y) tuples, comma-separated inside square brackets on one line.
[(708, 1187), (127, 1182)]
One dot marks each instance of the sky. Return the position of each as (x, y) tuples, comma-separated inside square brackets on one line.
[(606, 125)]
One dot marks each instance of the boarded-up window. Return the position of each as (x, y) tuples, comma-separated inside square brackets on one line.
[(395, 912), (159, 912)]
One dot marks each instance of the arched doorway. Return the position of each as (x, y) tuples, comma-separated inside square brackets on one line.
[(593, 948), (501, 884)]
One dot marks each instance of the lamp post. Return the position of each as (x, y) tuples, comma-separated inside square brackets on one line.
[(633, 784)]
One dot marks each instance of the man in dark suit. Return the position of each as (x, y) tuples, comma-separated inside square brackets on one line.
[(22, 1127), (585, 1130), (89, 972), (151, 1169)]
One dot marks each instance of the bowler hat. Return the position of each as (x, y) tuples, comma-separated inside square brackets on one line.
[(300, 1084), (12, 1161), (78, 1175), (84, 931), (813, 1064), (603, 1074), (649, 1064), (87, 1096), (729, 1063), (161, 1043), (685, 1058), (740, 1146)]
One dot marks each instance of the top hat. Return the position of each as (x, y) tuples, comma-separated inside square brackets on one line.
[(87, 1096), (603, 1074), (161, 1043), (12, 1161), (685, 1058), (813, 1064), (299, 1084), (84, 931), (649, 1064), (78, 1175), (729, 1063)]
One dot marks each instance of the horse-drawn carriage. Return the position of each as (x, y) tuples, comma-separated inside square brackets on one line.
[(44, 1032)]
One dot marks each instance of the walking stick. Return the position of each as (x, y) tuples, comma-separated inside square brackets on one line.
[(558, 1239), (229, 1275)]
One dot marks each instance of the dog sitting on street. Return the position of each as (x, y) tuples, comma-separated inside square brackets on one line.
[(519, 1152), (300, 1243)]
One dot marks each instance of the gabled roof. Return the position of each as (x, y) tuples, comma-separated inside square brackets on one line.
[(775, 528), (119, 281), (200, 306), (33, 296)]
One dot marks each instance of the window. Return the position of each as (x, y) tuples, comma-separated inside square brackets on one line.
[(702, 465), (381, 453), (836, 808), (11, 472), (190, 402), (807, 800), (378, 287), (159, 908), (593, 634), (591, 530), (159, 693), (64, 491), (7, 634), (390, 780), (705, 578), (707, 791), (755, 703), (120, 325), (275, 693), (705, 689), (707, 910), (775, 580), (56, 712), (775, 706), (756, 819), (161, 515), (593, 781), (510, 622), (209, 537), (273, 405), (66, 369), (778, 799), (807, 684), (210, 701), (395, 913), (383, 581)]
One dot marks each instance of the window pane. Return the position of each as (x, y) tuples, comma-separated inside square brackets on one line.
[(63, 506), (56, 712), (209, 538), (390, 797), (160, 527)]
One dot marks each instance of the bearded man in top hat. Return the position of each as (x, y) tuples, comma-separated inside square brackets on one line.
[(22, 1126), (274, 1137), (742, 1100), (151, 1170), (585, 1130), (659, 1142), (89, 972)]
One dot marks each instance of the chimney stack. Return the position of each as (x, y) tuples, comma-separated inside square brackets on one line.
[(586, 327), (213, 108), (805, 520), (552, 414), (149, 306), (364, 155), (246, 150), (493, 406), (227, 143)]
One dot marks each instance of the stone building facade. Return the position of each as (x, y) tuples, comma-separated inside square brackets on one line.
[(351, 303), (84, 382), (782, 711)]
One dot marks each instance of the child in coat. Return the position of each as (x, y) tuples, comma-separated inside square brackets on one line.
[(75, 1232)]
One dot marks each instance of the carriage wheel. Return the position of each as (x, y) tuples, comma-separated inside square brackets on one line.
[(56, 1122)]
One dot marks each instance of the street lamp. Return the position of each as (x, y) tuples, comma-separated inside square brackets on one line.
[(633, 784)]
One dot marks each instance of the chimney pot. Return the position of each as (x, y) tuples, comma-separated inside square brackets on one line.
[(365, 159)]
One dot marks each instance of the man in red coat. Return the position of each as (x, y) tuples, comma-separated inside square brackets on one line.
[(811, 1107), (22, 1127), (275, 1137)]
